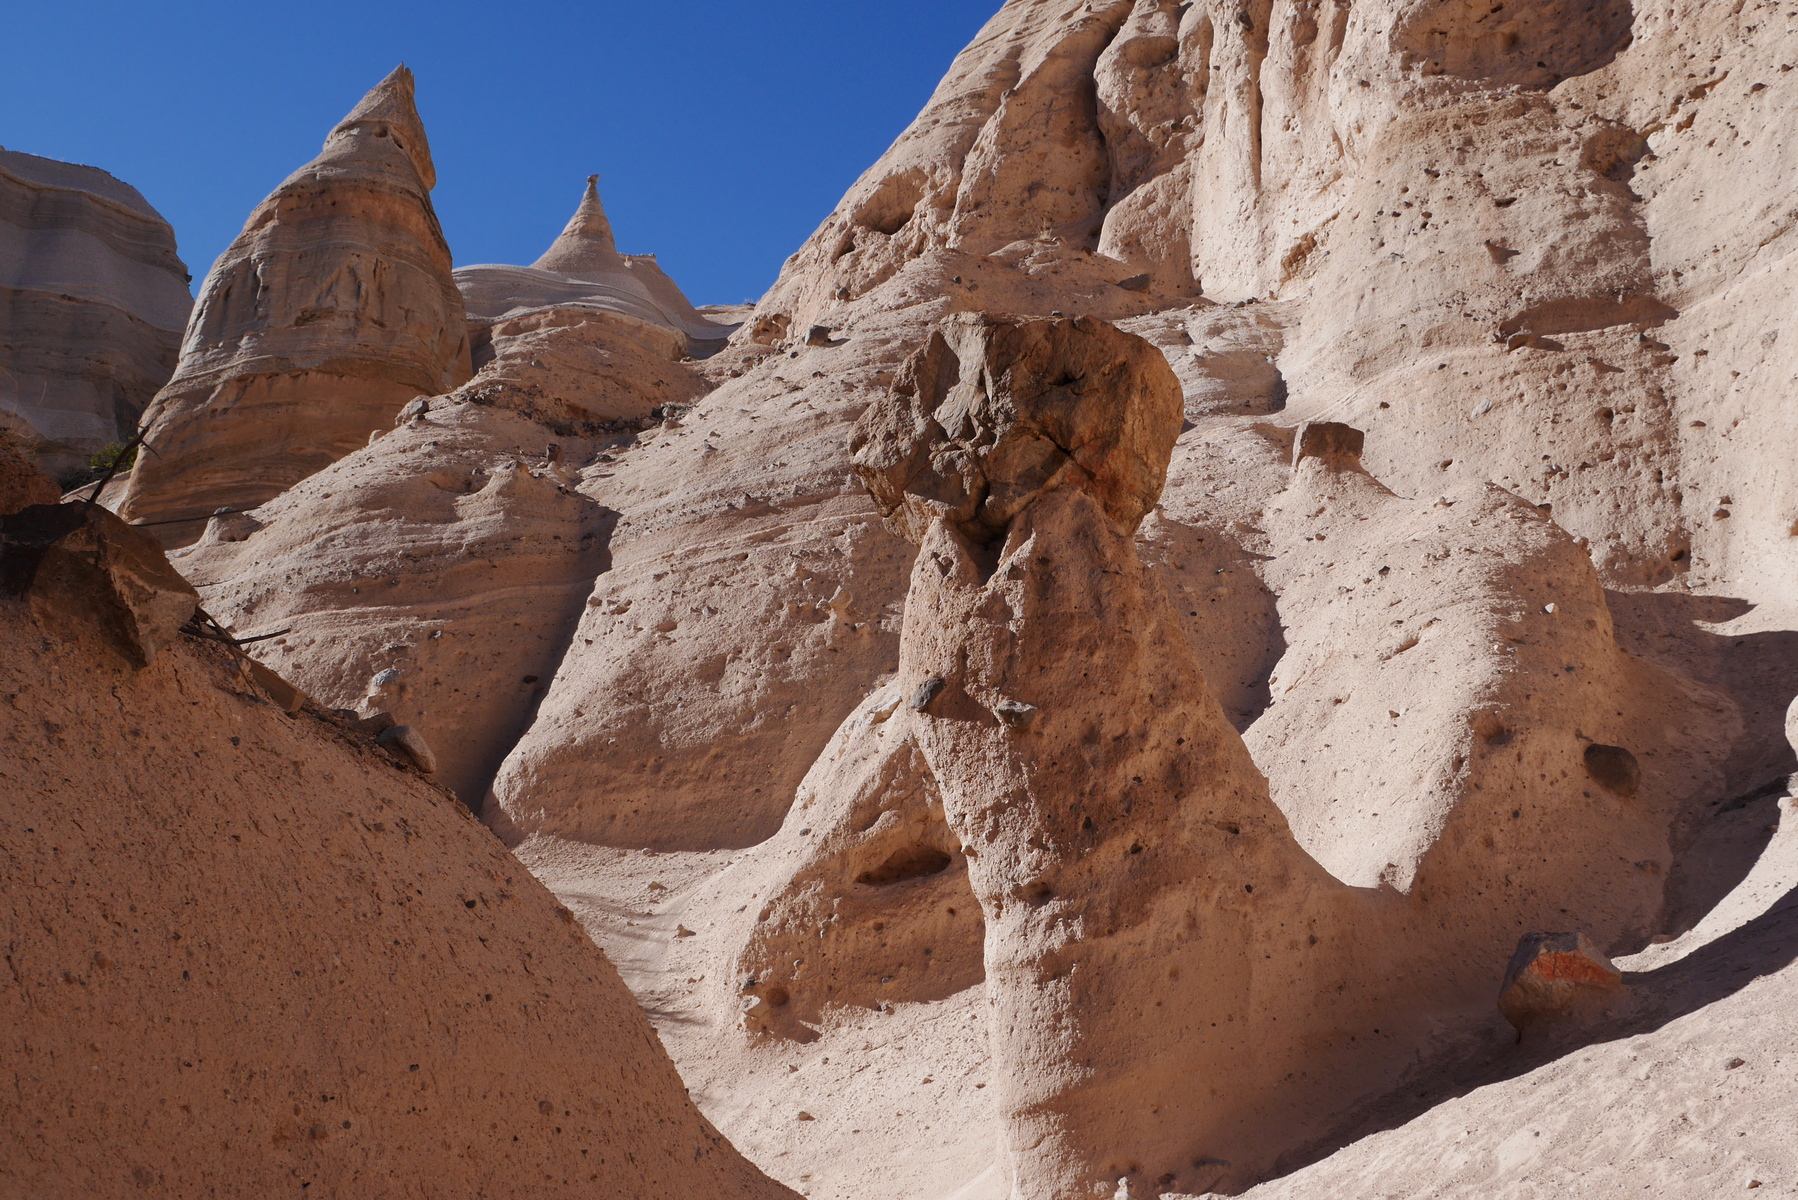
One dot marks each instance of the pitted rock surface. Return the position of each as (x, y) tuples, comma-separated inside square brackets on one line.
[(992, 413)]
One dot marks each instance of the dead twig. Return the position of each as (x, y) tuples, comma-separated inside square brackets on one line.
[(137, 440)]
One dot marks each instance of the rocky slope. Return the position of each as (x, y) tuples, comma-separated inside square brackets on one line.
[(249, 951), (93, 299)]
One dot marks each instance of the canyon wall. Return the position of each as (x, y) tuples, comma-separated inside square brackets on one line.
[(93, 299)]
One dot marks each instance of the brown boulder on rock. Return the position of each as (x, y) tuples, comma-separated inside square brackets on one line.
[(79, 562), (1331, 441), (333, 308), (1615, 768), (22, 484), (992, 413), (410, 742), (1556, 975)]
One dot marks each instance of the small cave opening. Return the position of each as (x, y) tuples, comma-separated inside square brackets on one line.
[(908, 862)]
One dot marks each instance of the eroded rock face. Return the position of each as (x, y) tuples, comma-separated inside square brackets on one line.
[(751, 603), (994, 413), (435, 574), (455, 550), (866, 887), (1450, 665), (330, 311), (93, 299), (1457, 212), (583, 371)]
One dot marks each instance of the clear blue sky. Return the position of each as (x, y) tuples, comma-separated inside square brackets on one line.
[(723, 133)]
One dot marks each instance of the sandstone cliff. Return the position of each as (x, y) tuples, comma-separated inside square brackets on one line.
[(1392, 218), (452, 557), (93, 299), (330, 311)]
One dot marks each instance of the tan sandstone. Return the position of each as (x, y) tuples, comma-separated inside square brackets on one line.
[(331, 310), (583, 269), (1536, 259)]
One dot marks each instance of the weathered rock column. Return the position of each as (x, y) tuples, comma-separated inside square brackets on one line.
[(1169, 973)]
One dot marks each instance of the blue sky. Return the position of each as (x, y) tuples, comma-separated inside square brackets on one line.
[(723, 133)]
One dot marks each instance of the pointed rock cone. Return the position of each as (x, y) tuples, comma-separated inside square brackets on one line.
[(585, 248), (333, 308), (388, 111)]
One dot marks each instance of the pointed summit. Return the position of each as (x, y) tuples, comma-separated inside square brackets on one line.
[(388, 111), (586, 246)]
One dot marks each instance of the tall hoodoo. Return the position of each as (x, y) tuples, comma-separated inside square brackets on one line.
[(1151, 928), (332, 309), (1157, 943)]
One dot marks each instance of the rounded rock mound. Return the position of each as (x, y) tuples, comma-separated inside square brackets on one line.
[(992, 412)]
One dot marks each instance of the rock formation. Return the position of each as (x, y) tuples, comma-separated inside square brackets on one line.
[(450, 553), (1462, 264), (93, 299), (1393, 391), (583, 269), (330, 311), (225, 977), (1450, 665), (1044, 404), (751, 602), (1049, 749), (1556, 975)]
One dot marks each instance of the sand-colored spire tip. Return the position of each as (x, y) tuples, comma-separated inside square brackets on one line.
[(392, 102), (586, 245)]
